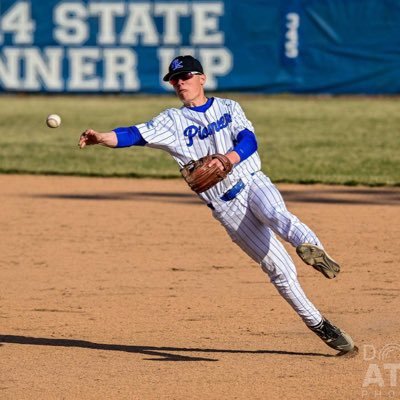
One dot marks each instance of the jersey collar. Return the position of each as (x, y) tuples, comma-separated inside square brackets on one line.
[(203, 108)]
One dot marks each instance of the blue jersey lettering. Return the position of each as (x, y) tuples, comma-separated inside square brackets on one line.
[(192, 130)]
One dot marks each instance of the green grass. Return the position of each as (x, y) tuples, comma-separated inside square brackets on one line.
[(342, 140)]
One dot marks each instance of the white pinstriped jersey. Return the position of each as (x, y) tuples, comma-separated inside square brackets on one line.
[(188, 134), (257, 211)]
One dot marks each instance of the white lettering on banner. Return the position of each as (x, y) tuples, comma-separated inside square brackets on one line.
[(73, 26), (82, 74), (71, 20), (171, 13), (120, 65), (205, 23), (107, 13), (17, 20), (114, 27), (43, 69), (139, 23), (9, 68), (292, 35), (216, 62), (34, 68)]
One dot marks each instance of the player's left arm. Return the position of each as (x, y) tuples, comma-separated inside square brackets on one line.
[(243, 137), (246, 145)]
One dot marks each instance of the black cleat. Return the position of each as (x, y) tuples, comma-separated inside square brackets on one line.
[(333, 336), (319, 259)]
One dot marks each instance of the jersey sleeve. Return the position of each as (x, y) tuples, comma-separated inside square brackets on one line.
[(239, 120), (158, 132)]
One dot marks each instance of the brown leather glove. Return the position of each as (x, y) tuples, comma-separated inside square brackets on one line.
[(200, 176)]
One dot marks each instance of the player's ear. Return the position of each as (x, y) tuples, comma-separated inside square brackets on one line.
[(203, 79)]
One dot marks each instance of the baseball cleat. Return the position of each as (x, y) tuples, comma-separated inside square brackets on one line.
[(333, 336), (319, 259)]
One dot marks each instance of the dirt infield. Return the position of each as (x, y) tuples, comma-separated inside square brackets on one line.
[(129, 289)]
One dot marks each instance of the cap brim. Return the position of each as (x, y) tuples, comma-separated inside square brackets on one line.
[(171, 74)]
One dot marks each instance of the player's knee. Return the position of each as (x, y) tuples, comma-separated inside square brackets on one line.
[(276, 213), (279, 276)]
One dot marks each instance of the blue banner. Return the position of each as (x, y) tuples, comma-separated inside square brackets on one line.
[(266, 46)]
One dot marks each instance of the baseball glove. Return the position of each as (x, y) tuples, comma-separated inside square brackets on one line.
[(200, 176)]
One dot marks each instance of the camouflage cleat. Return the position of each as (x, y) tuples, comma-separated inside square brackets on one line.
[(319, 259), (334, 337)]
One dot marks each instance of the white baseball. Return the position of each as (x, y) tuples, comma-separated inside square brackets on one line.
[(53, 121)]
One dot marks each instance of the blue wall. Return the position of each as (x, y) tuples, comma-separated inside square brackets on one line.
[(301, 46)]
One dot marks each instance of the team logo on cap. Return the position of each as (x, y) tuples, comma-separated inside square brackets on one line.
[(176, 64)]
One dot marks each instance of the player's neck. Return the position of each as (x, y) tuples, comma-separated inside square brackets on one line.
[(197, 102)]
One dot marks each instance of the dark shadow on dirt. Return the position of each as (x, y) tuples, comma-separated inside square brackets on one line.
[(344, 196), (324, 196), (157, 353), (186, 198)]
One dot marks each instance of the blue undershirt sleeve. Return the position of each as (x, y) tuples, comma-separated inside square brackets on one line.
[(246, 144), (129, 136)]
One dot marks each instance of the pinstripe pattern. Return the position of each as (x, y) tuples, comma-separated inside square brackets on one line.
[(267, 204), (257, 239), (258, 212), (166, 132)]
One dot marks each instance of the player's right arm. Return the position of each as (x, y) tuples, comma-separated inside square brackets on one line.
[(119, 137), (91, 137), (157, 133)]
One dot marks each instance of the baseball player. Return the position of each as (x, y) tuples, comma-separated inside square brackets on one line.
[(242, 199)]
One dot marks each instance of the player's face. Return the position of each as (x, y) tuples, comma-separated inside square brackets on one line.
[(188, 86)]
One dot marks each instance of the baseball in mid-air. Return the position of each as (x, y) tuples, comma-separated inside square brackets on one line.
[(53, 121)]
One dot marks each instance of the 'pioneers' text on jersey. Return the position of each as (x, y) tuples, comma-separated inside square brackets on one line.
[(203, 132)]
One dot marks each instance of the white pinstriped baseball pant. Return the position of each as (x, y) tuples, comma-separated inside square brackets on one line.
[(252, 219)]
